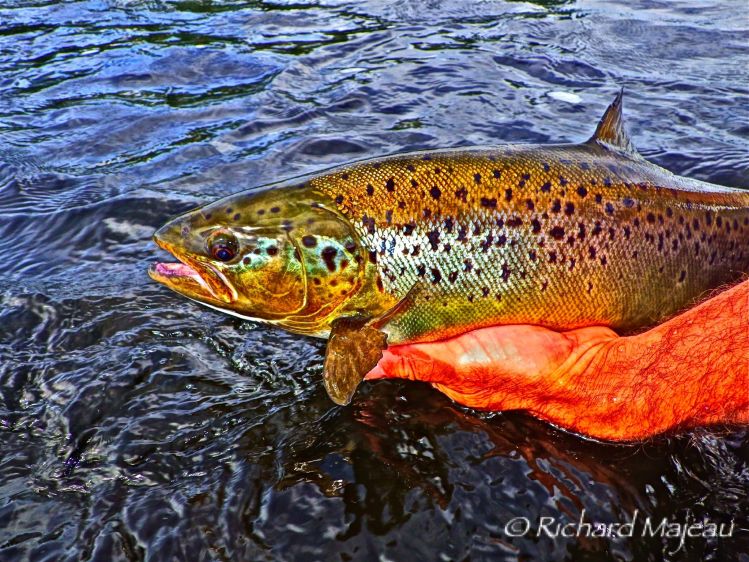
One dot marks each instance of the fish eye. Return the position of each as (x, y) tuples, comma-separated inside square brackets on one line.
[(223, 246)]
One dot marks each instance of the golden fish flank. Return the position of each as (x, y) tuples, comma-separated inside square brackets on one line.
[(423, 246)]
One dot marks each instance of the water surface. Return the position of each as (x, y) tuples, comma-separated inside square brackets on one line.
[(136, 425)]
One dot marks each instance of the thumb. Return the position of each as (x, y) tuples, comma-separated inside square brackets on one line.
[(413, 362)]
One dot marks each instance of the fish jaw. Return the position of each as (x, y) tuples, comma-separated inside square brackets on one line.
[(188, 277)]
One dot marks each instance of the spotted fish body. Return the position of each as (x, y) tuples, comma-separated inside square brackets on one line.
[(424, 246), (563, 237)]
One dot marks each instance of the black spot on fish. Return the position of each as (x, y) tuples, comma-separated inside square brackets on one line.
[(546, 188), (477, 178), (344, 176), (508, 194), (514, 222), (426, 213), (556, 206), (229, 210), (372, 256), (271, 250), (581, 191), (596, 229), (421, 270), (557, 233), (581, 231), (390, 184), (489, 203), (609, 209), (448, 224), (569, 209), (552, 257), (328, 256), (350, 247), (389, 216), (462, 232), (563, 181), (532, 255), (339, 199), (497, 174), (434, 239), (370, 189), (437, 170), (626, 232), (467, 264), (414, 183), (275, 209), (650, 217), (628, 202), (535, 226), (461, 193), (546, 167), (409, 228), (309, 241), (416, 250), (529, 204), (246, 261), (501, 240), (592, 252), (506, 272), (410, 168), (452, 277), (435, 192), (599, 198), (369, 224), (485, 291), (436, 275), (607, 182)]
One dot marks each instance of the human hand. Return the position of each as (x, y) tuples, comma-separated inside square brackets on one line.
[(592, 381)]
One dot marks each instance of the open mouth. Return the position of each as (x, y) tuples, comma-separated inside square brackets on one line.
[(201, 283)]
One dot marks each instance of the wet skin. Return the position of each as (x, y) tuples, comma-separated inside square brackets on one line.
[(691, 370)]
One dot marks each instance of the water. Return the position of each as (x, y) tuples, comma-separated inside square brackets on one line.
[(138, 426)]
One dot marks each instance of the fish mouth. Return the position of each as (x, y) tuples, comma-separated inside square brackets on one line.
[(192, 279)]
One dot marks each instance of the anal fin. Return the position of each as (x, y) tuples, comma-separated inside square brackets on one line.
[(354, 348)]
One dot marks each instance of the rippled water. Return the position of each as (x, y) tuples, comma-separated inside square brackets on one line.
[(136, 425)]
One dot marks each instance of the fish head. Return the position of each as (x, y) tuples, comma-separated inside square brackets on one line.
[(284, 256)]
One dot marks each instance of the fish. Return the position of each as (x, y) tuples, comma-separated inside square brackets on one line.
[(423, 246)]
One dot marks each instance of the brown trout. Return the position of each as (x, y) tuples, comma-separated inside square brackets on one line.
[(423, 246)]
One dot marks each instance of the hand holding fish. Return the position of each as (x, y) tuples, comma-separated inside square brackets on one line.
[(528, 260), (691, 370)]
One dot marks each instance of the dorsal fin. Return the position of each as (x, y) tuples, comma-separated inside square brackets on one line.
[(610, 131)]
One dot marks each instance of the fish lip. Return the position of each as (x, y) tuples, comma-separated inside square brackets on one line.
[(213, 283)]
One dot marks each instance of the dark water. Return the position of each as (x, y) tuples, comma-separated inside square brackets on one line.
[(138, 426)]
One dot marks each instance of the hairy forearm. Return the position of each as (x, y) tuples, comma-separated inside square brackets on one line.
[(691, 370)]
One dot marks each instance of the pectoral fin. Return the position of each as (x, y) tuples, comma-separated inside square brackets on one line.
[(354, 348)]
